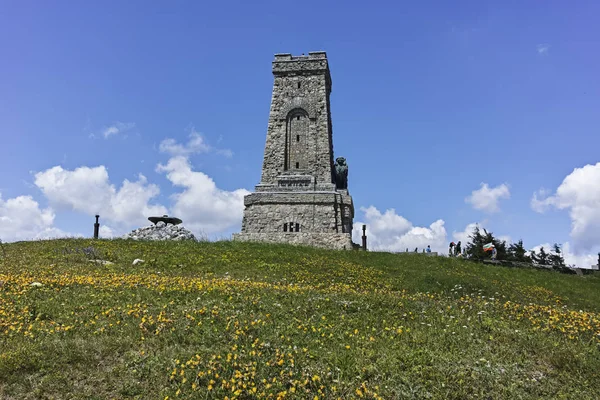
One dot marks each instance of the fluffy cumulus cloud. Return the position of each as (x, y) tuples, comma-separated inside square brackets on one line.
[(89, 190), (579, 193), (463, 236), (21, 218), (202, 206), (106, 232), (389, 231), (195, 144), (486, 198), (205, 208)]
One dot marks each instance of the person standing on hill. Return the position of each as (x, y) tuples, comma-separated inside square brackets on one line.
[(428, 249), (494, 253), (457, 250), (450, 249)]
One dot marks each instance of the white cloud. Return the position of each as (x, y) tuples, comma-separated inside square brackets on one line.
[(579, 192), (55, 233), (463, 236), (571, 259), (486, 198), (202, 205), (195, 144), (579, 260), (89, 190), (389, 231), (106, 232), (505, 238), (225, 152), (21, 218), (543, 48), (540, 201), (386, 223), (117, 128)]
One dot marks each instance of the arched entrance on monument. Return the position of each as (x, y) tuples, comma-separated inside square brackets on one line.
[(296, 142)]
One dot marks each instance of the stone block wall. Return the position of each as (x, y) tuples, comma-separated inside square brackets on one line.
[(339, 241), (314, 211)]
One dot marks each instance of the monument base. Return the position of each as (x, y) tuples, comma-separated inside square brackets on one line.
[(339, 241)]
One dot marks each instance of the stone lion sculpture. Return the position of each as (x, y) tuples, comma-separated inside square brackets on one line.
[(341, 173)]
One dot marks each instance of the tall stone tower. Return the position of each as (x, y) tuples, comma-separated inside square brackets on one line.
[(301, 198)]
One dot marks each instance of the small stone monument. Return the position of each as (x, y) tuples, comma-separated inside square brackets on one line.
[(166, 219), (163, 228)]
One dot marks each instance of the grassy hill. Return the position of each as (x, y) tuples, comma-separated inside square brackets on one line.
[(242, 320)]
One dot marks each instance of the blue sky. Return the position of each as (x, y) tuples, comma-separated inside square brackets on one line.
[(429, 101)]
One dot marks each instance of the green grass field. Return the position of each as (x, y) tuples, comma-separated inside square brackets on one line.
[(241, 320)]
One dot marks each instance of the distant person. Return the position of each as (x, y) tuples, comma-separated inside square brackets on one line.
[(416, 249), (494, 253), (428, 249), (451, 249), (457, 250)]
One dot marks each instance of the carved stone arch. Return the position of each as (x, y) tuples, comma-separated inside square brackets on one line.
[(294, 112), (303, 103)]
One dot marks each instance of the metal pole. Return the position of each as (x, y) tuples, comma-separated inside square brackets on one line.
[(364, 238), (96, 227)]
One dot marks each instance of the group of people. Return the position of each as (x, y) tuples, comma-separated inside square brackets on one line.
[(427, 250), (455, 249)]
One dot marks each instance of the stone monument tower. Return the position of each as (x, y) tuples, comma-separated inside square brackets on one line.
[(302, 196)]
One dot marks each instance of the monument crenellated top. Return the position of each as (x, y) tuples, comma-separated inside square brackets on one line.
[(313, 55), (315, 62)]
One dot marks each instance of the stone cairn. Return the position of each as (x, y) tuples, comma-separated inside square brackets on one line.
[(164, 228)]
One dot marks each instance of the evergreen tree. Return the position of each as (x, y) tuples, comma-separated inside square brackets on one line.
[(534, 257), (555, 258), (517, 252), (475, 247), (541, 257)]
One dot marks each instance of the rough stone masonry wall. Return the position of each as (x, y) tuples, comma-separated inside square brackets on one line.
[(262, 218), (340, 241), (314, 211), (311, 73)]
